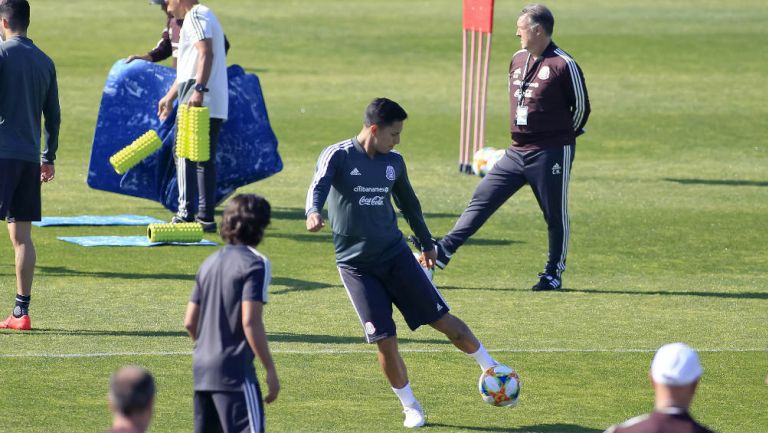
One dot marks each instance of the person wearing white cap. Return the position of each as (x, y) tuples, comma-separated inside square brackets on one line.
[(675, 373)]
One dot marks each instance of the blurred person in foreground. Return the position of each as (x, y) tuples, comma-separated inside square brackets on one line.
[(675, 374), (131, 399)]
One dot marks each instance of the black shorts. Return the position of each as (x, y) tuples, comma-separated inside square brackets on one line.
[(19, 190), (230, 411), (400, 281)]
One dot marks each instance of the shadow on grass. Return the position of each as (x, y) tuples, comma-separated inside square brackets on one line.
[(490, 289), (283, 337), (289, 213), (256, 71), (295, 213), (726, 295), (721, 182), (540, 428), (303, 237), (295, 285), (67, 272), (290, 337), (108, 332)]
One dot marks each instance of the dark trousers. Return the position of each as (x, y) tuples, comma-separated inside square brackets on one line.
[(548, 172), (199, 178)]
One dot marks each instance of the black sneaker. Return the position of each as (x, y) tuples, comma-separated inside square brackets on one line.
[(178, 219), (442, 255), (208, 226), (547, 282)]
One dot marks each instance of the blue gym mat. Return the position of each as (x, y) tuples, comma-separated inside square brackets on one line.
[(126, 241), (98, 220)]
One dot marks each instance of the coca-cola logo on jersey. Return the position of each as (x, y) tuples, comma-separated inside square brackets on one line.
[(376, 200)]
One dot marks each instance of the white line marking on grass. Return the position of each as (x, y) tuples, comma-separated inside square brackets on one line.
[(354, 351)]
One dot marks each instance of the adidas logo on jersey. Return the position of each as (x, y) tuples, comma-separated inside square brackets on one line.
[(556, 169), (355, 172)]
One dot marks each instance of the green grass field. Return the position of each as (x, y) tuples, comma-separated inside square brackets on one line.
[(668, 202)]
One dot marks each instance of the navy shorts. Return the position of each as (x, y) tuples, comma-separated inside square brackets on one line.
[(19, 190), (229, 411), (400, 281)]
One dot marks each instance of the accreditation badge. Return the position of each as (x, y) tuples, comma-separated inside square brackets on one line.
[(521, 115)]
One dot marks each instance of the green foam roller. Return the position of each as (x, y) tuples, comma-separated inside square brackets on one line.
[(197, 134), (185, 232), (182, 120), (135, 152)]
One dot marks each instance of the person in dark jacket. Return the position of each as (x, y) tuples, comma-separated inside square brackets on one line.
[(548, 110), (28, 92)]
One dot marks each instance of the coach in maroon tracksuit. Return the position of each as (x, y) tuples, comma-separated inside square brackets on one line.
[(549, 108)]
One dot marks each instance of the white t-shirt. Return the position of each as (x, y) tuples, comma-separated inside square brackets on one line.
[(200, 23)]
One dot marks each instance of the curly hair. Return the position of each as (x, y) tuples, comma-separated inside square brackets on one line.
[(245, 218)]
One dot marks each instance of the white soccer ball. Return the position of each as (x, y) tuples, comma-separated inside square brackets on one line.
[(427, 271), (484, 160), (500, 386)]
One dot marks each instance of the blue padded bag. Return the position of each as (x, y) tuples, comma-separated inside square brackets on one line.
[(247, 149)]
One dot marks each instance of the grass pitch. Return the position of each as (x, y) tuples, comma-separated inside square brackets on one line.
[(668, 198)]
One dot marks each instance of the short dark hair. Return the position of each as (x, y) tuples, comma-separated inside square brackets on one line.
[(131, 390), (384, 112), (538, 14), (245, 218), (17, 14)]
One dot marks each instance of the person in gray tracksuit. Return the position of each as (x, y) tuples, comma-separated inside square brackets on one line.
[(28, 93), (359, 177)]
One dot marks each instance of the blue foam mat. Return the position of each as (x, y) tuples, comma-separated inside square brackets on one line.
[(126, 241), (97, 220)]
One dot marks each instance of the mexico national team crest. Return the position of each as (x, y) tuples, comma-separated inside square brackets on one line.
[(390, 172), (544, 73), (369, 328)]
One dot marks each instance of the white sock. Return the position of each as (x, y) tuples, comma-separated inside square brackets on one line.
[(483, 358), (405, 394)]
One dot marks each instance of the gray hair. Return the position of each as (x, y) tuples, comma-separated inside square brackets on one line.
[(538, 14)]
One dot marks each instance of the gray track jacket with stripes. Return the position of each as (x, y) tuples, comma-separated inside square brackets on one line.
[(359, 191), (555, 96)]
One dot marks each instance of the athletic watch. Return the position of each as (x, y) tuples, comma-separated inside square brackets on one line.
[(200, 88)]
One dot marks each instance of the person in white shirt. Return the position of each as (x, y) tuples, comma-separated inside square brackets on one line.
[(201, 81)]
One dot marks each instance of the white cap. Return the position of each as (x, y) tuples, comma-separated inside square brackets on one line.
[(676, 365)]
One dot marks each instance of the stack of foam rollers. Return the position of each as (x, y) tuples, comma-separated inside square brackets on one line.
[(193, 133)]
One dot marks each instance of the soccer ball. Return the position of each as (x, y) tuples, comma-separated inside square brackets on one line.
[(484, 160), (500, 386), (427, 271)]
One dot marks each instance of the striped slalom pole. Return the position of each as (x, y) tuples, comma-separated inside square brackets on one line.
[(476, 55)]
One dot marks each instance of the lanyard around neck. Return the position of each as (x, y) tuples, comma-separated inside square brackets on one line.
[(524, 83)]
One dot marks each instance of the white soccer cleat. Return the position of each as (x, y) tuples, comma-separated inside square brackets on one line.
[(414, 416)]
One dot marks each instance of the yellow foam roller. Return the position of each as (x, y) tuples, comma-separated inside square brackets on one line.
[(181, 130), (193, 133), (135, 152), (185, 232), (198, 134)]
